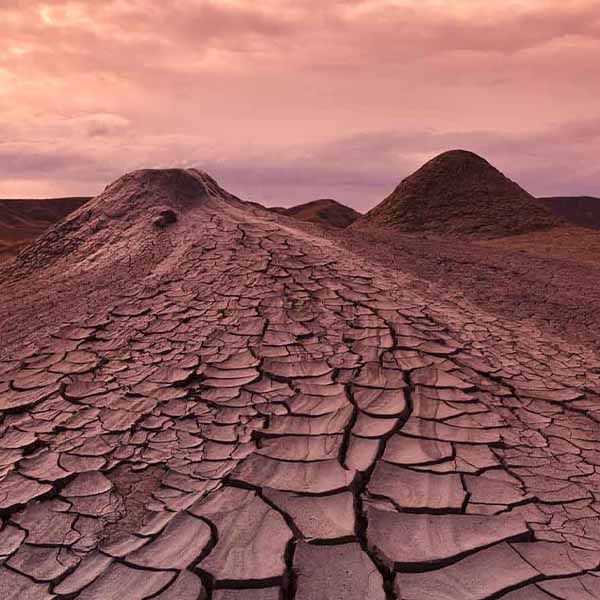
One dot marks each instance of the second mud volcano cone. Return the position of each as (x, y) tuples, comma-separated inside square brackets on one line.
[(459, 193)]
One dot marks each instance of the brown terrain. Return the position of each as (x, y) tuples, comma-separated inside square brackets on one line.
[(21, 221), (580, 210), (203, 399), (459, 193), (327, 212), (548, 275)]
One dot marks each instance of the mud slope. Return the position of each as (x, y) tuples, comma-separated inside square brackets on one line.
[(547, 277), (459, 193), (21, 221), (247, 411), (329, 213), (579, 210)]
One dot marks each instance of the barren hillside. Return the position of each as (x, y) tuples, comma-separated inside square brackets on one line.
[(202, 399), (579, 210), (21, 221), (322, 212), (459, 193)]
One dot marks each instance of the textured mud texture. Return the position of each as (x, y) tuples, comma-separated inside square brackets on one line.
[(459, 192), (549, 279), (234, 408)]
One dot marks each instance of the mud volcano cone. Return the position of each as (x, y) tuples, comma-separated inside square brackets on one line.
[(459, 192)]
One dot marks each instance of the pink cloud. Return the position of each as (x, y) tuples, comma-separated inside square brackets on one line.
[(291, 99)]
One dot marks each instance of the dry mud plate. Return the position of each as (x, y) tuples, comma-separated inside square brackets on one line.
[(250, 412)]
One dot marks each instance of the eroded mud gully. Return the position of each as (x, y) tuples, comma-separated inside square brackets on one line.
[(263, 416)]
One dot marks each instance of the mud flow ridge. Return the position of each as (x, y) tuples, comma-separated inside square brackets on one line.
[(251, 412)]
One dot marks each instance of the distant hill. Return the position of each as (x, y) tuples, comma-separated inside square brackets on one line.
[(460, 193), (324, 212), (21, 221), (580, 210)]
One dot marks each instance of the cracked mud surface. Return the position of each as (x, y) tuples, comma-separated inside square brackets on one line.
[(547, 278), (249, 411)]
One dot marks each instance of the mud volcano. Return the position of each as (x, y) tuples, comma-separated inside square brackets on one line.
[(460, 193), (227, 407)]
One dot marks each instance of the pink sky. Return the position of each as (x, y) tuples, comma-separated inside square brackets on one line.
[(284, 101)]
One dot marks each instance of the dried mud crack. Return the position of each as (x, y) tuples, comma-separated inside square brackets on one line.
[(255, 413)]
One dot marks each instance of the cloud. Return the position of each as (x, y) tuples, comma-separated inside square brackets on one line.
[(362, 169), (101, 124), (359, 169), (286, 100)]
